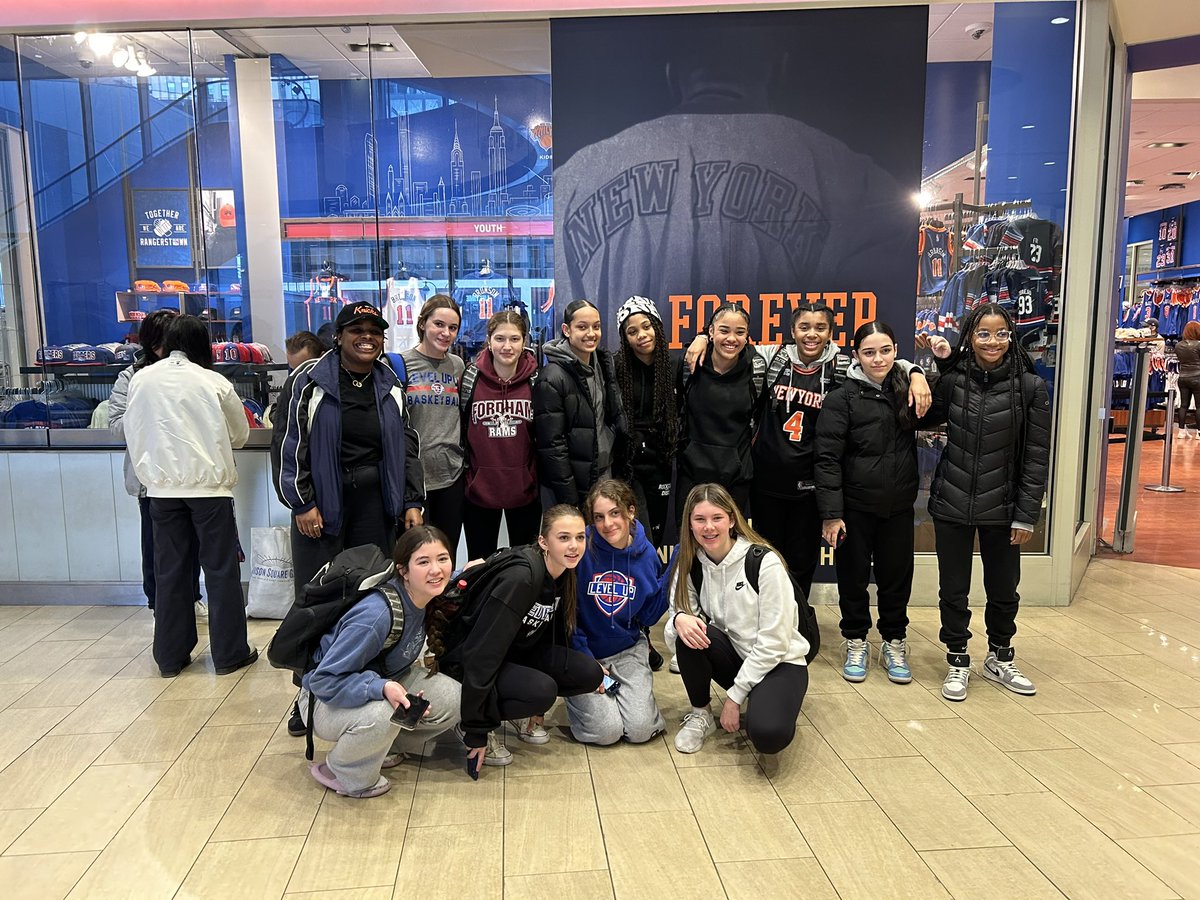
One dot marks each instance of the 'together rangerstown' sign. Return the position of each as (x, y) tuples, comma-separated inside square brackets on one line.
[(162, 228)]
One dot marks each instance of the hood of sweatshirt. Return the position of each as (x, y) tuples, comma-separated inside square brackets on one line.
[(830, 352), (736, 371), (526, 366), (559, 351), (619, 591), (857, 373)]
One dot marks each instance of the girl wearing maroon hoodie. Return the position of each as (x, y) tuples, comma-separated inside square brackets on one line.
[(497, 409)]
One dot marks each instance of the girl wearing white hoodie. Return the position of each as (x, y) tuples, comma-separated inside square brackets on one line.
[(748, 642)]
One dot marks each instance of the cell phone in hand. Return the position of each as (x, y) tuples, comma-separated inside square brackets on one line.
[(473, 768), (841, 539), (610, 685), (410, 718)]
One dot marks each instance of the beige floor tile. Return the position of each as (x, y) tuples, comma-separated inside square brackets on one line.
[(1175, 860), (968, 760), (42, 877), (860, 850), (1162, 648), (18, 637), (551, 825), (199, 681), (114, 706), (257, 699), (356, 843), (446, 796), (721, 749), (10, 614), (1059, 661), (854, 729), (1119, 594), (559, 756), (640, 778), (1079, 637), (1052, 696), (740, 815), (20, 729), (92, 624), (1188, 752), (1158, 678), (88, 813), (1113, 804), (1003, 719), (810, 771), (576, 885), (1183, 798), (384, 892), (1077, 858), (776, 879), (278, 799), (13, 822), (988, 873), (476, 849), (37, 777), (1099, 617), (153, 852), (941, 819), (242, 869), (1142, 711), (901, 702), (282, 742), (11, 693), (1121, 748), (141, 666), (679, 867), (161, 732), (215, 763), (40, 660), (825, 678), (1181, 627), (124, 642), (72, 684)]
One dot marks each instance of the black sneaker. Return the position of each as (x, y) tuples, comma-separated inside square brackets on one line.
[(295, 723), (656, 659), (248, 661)]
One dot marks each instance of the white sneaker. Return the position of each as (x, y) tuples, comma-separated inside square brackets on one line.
[(531, 732), (201, 609), (955, 685), (497, 754), (695, 728), (1007, 674), (673, 668)]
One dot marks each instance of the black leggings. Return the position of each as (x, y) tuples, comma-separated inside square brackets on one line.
[(793, 526), (528, 688), (1189, 387), (444, 508), (482, 526), (773, 704)]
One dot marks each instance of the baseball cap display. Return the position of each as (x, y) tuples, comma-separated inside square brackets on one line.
[(358, 312), (226, 216)]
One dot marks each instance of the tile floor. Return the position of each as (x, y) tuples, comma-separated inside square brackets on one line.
[(117, 783)]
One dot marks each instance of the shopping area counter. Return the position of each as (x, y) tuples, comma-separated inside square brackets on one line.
[(69, 533)]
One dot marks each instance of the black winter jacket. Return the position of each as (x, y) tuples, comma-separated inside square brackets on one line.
[(717, 420), (994, 468), (564, 422), (865, 461)]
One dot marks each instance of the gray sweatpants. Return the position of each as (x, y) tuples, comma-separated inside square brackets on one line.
[(364, 735), (631, 713)]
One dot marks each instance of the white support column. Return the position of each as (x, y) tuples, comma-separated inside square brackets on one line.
[(260, 197)]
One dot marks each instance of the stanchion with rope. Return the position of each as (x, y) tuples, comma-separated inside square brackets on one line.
[(1165, 487)]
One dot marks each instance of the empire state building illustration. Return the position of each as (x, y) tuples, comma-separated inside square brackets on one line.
[(498, 165)]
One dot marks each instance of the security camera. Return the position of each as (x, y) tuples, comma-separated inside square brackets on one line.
[(86, 59), (978, 30)]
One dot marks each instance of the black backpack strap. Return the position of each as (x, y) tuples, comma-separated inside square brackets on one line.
[(466, 389), (754, 559), (396, 604), (308, 726)]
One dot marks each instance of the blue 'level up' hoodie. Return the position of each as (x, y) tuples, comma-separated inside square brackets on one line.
[(620, 591)]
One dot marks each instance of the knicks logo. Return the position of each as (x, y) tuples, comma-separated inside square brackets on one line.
[(611, 591)]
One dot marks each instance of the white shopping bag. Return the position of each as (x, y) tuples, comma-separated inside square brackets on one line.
[(271, 573)]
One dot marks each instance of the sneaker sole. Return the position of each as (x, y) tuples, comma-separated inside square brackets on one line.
[(534, 738), (1000, 681), (498, 760), (953, 699), (855, 679), (899, 679)]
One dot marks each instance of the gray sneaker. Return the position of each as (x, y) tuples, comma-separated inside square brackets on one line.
[(1007, 674), (693, 731), (955, 685), (497, 754)]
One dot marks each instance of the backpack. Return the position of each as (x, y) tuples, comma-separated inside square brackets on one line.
[(396, 361), (808, 617), (464, 598), (350, 576)]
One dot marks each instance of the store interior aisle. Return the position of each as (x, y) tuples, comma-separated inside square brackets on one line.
[(115, 782)]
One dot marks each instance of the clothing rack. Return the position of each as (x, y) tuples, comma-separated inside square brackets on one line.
[(962, 215)]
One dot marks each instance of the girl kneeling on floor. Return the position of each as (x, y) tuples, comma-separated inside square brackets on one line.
[(511, 654), (354, 701), (747, 642), (621, 592)]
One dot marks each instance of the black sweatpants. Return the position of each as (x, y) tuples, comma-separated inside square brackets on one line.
[(482, 527), (888, 544), (528, 687), (183, 526), (364, 521), (1001, 560), (653, 493), (149, 586), (793, 526), (773, 704), (444, 509)]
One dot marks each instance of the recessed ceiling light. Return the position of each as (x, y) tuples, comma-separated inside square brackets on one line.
[(1059, 20), (1186, 174), (1135, 182), (1012, 177), (1165, 145), (1027, 127), (382, 47), (1172, 186), (1048, 162)]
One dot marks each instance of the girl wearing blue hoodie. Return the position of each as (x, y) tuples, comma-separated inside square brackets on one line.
[(621, 591)]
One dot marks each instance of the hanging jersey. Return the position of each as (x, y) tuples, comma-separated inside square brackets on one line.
[(480, 303), (1040, 243), (404, 300), (933, 250), (1030, 296)]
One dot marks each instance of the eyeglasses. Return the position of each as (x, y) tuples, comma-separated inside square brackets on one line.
[(987, 337)]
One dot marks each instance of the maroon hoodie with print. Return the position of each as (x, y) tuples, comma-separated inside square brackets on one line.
[(498, 430)]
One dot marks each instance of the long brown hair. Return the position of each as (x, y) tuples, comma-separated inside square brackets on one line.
[(618, 492), (688, 548), (437, 612), (432, 305), (570, 601)]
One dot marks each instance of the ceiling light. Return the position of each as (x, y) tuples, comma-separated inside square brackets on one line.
[(1048, 162), (1165, 145), (1059, 20), (1172, 186), (102, 44), (922, 198), (131, 61), (376, 47), (119, 56), (1027, 127), (1134, 182), (80, 37), (1012, 177)]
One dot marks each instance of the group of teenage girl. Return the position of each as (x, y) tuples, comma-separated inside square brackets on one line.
[(629, 451)]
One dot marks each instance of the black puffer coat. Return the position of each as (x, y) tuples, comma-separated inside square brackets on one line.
[(865, 460), (994, 468), (564, 422)]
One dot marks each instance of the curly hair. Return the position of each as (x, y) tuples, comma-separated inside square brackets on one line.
[(666, 410)]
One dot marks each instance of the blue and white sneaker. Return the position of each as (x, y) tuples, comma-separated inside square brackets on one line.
[(857, 653), (893, 656)]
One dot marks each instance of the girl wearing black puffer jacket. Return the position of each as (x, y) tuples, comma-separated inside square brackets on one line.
[(990, 481), (866, 478), (577, 412)]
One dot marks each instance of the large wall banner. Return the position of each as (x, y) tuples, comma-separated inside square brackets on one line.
[(764, 158)]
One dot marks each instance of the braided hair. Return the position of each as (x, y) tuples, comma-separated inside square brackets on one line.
[(666, 412)]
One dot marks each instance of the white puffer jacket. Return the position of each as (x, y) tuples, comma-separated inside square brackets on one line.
[(182, 424)]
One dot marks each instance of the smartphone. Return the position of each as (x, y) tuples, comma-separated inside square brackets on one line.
[(611, 685), (473, 770), (410, 718), (841, 539)]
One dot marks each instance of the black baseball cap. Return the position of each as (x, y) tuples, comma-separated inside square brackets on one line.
[(358, 312)]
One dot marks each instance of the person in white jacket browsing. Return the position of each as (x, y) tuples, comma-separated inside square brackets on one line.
[(182, 424), (747, 641)]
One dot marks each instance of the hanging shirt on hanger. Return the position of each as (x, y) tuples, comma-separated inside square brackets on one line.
[(404, 301), (479, 302), (933, 259)]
